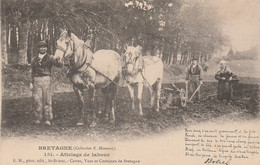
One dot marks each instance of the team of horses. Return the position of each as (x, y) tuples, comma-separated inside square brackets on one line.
[(106, 70)]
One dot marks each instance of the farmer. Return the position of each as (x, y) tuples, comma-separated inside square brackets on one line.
[(224, 76), (194, 77), (41, 84)]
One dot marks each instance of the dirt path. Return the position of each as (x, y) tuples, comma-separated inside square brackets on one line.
[(17, 115)]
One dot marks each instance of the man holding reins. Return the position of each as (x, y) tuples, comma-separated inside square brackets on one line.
[(41, 70)]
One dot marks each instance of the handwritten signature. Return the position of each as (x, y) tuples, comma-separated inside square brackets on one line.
[(217, 161)]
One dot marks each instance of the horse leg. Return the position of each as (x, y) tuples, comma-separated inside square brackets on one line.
[(99, 107), (139, 97), (158, 94), (81, 113), (92, 92), (152, 95), (105, 91), (112, 91), (132, 96)]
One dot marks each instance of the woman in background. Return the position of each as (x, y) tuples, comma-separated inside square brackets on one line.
[(224, 76)]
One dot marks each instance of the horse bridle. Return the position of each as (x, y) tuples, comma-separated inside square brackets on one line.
[(130, 61), (67, 47)]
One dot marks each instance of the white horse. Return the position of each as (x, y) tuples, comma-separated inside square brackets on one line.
[(87, 70), (142, 70)]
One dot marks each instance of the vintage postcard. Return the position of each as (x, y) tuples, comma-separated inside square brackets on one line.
[(146, 82)]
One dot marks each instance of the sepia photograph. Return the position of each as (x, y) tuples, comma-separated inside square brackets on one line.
[(144, 82)]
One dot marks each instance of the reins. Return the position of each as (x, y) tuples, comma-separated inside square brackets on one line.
[(84, 63), (141, 72), (147, 82), (89, 64), (104, 75)]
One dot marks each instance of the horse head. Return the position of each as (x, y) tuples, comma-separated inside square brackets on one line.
[(131, 59), (65, 45)]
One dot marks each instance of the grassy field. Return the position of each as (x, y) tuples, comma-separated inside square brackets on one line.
[(17, 116), (247, 70)]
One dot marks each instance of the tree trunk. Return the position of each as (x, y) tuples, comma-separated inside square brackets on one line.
[(171, 58), (30, 43), (13, 44), (4, 38), (38, 31), (189, 58), (50, 31), (172, 53), (44, 29), (37, 36), (23, 41), (8, 40)]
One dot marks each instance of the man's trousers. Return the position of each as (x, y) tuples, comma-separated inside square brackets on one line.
[(42, 96), (194, 82)]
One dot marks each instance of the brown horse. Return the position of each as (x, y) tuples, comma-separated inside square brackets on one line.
[(101, 70)]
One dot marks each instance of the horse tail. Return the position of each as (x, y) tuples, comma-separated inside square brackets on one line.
[(119, 74), (119, 77)]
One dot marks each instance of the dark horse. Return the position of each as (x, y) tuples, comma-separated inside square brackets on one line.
[(90, 71)]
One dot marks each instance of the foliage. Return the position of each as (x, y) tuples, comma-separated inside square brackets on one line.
[(252, 53), (170, 26)]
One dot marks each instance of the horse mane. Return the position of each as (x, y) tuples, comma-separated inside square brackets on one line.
[(83, 58), (130, 49), (76, 39)]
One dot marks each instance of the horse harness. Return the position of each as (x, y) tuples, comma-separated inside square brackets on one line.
[(130, 61), (139, 70), (71, 59)]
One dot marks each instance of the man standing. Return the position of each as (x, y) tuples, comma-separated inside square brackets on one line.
[(40, 85), (194, 77), (225, 76)]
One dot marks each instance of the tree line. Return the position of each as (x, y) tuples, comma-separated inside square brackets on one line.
[(175, 30)]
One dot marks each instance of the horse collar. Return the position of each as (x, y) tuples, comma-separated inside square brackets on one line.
[(87, 46), (73, 51), (61, 48)]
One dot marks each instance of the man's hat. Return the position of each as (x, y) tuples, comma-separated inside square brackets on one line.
[(222, 62), (42, 43), (194, 58)]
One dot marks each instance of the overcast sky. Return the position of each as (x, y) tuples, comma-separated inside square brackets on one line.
[(241, 21)]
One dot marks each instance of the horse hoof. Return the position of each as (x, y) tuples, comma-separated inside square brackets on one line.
[(106, 117), (141, 113), (100, 112), (156, 109), (80, 122), (93, 124), (112, 121)]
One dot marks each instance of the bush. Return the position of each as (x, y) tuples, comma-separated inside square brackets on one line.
[(204, 66), (173, 69), (21, 74)]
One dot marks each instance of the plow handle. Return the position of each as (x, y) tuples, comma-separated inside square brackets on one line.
[(195, 92), (186, 92), (174, 86)]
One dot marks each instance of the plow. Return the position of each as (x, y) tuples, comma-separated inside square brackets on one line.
[(175, 97)]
